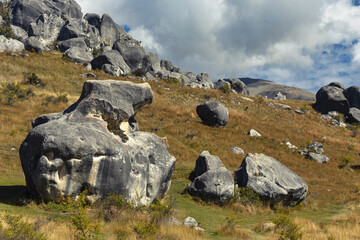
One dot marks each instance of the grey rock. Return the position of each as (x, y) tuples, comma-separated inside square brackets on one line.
[(33, 44), (331, 98), (73, 42), (238, 86), (1, 20), (212, 182), (254, 133), (45, 118), (313, 147), (79, 55), (283, 106), (279, 96), (152, 61), (89, 75), (94, 145), (337, 84), (199, 229), (11, 45), (47, 28), (352, 94), (93, 19), (68, 8), (237, 150), (132, 52), (169, 66), (112, 70), (110, 31), (213, 113), (271, 180), (206, 162), (112, 57), (317, 157), (354, 115), (222, 84), (203, 80), (190, 222), (150, 76), (20, 33)]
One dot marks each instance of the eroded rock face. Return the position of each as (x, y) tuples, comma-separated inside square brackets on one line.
[(352, 94), (213, 182), (271, 179), (94, 145)]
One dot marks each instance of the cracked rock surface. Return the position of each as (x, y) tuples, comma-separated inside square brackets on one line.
[(95, 145)]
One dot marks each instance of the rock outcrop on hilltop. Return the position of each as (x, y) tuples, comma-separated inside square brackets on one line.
[(334, 97), (41, 25), (95, 145)]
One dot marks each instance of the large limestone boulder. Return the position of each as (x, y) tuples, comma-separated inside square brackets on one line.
[(73, 42), (33, 44), (354, 115), (238, 86), (213, 113), (110, 31), (95, 145), (272, 180), (111, 57), (47, 27), (213, 182), (331, 98), (79, 55), (202, 80), (352, 94)]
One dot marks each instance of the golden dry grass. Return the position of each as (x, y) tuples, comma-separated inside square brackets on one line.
[(173, 115)]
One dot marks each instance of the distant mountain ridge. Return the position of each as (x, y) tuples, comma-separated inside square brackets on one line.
[(270, 89)]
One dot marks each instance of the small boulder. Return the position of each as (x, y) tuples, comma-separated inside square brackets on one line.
[(213, 182), (237, 150), (271, 179), (112, 70), (317, 157), (213, 113), (11, 45), (254, 133), (190, 222), (354, 115), (279, 96), (72, 42), (112, 57), (202, 80), (315, 152)]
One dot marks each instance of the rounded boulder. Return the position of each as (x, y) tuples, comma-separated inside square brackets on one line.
[(213, 113)]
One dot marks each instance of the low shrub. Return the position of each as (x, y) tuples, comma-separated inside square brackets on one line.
[(247, 196), (287, 229), (15, 91), (33, 79)]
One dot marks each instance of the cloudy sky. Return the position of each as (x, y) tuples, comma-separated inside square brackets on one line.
[(302, 43)]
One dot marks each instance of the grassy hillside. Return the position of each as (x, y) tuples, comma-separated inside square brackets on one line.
[(331, 210)]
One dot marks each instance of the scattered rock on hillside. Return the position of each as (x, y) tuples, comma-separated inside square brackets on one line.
[(271, 180), (279, 96), (20, 33), (254, 133), (331, 98), (202, 80), (94, 145), (190, 222), (290, 145), (79, 55), (213, 182), (237, 150), (315, 152), (283, 106), (10, 45), (213, 113), (89, 75)]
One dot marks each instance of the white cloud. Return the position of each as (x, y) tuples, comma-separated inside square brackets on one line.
[(281, 40)]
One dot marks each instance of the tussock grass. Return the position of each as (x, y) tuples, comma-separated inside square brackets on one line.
[(330, 210)]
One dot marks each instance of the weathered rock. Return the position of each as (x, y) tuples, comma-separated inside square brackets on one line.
[(33, 44), (11, 45), (331, 98), (190, 222), (89, 75), (337, 84), (222, 85), (254, 133), (213, 113), (213, 182), (283, 106), (237, 150), (93, 19), (279, 96), (203, 80), (110, 31), (354, 115), (47, 28), (112, 70), (238, 86), (132, 52), (112, 57), (271, 180), (94, 145), (352, 94), (317, 157), (73, 42), (79, 55), (20, 33)]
